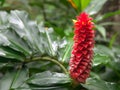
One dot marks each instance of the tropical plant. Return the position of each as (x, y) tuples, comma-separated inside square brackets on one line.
[(35, 54)]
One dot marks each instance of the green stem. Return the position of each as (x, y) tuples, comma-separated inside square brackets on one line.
[(49, 59), (15, 77), (49, 43), (67, 49)]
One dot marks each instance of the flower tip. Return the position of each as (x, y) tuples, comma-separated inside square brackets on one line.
[(74, 21)]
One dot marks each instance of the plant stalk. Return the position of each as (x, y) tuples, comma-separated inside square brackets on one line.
[(48, 59)]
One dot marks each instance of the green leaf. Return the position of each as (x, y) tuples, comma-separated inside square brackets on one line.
[(50, 43), (19, 79), (48, 78), (4, 20), (102, 55), (95, 6), (109, 23), (9, 38), (84, 4), (107, 15), (100, 59), (113, 40), (66, 53), (43, 88), (6, 81), (102, 30), (26, 29), (94, 75), (17, 43), (97, 84), (115, 63), (2, 65), (10, 53), (13, 80), (3, 40), (26, 38), (5, 51), (103, 50), (2, 2), (81, 4), (34, 35)]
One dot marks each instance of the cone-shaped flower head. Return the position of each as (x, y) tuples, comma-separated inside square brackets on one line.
[(82, 53)]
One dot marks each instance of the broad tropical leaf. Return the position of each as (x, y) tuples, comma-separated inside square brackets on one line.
[(48, 78), (13, 80), (23, 38), (95, 6), (96, 84)]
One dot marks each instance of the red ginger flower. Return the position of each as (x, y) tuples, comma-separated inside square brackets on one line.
[(82, 53)]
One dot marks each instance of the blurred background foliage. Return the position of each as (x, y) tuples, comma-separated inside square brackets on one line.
[(58, 15)]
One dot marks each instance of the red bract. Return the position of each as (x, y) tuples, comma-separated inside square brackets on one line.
[(82, 53)]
